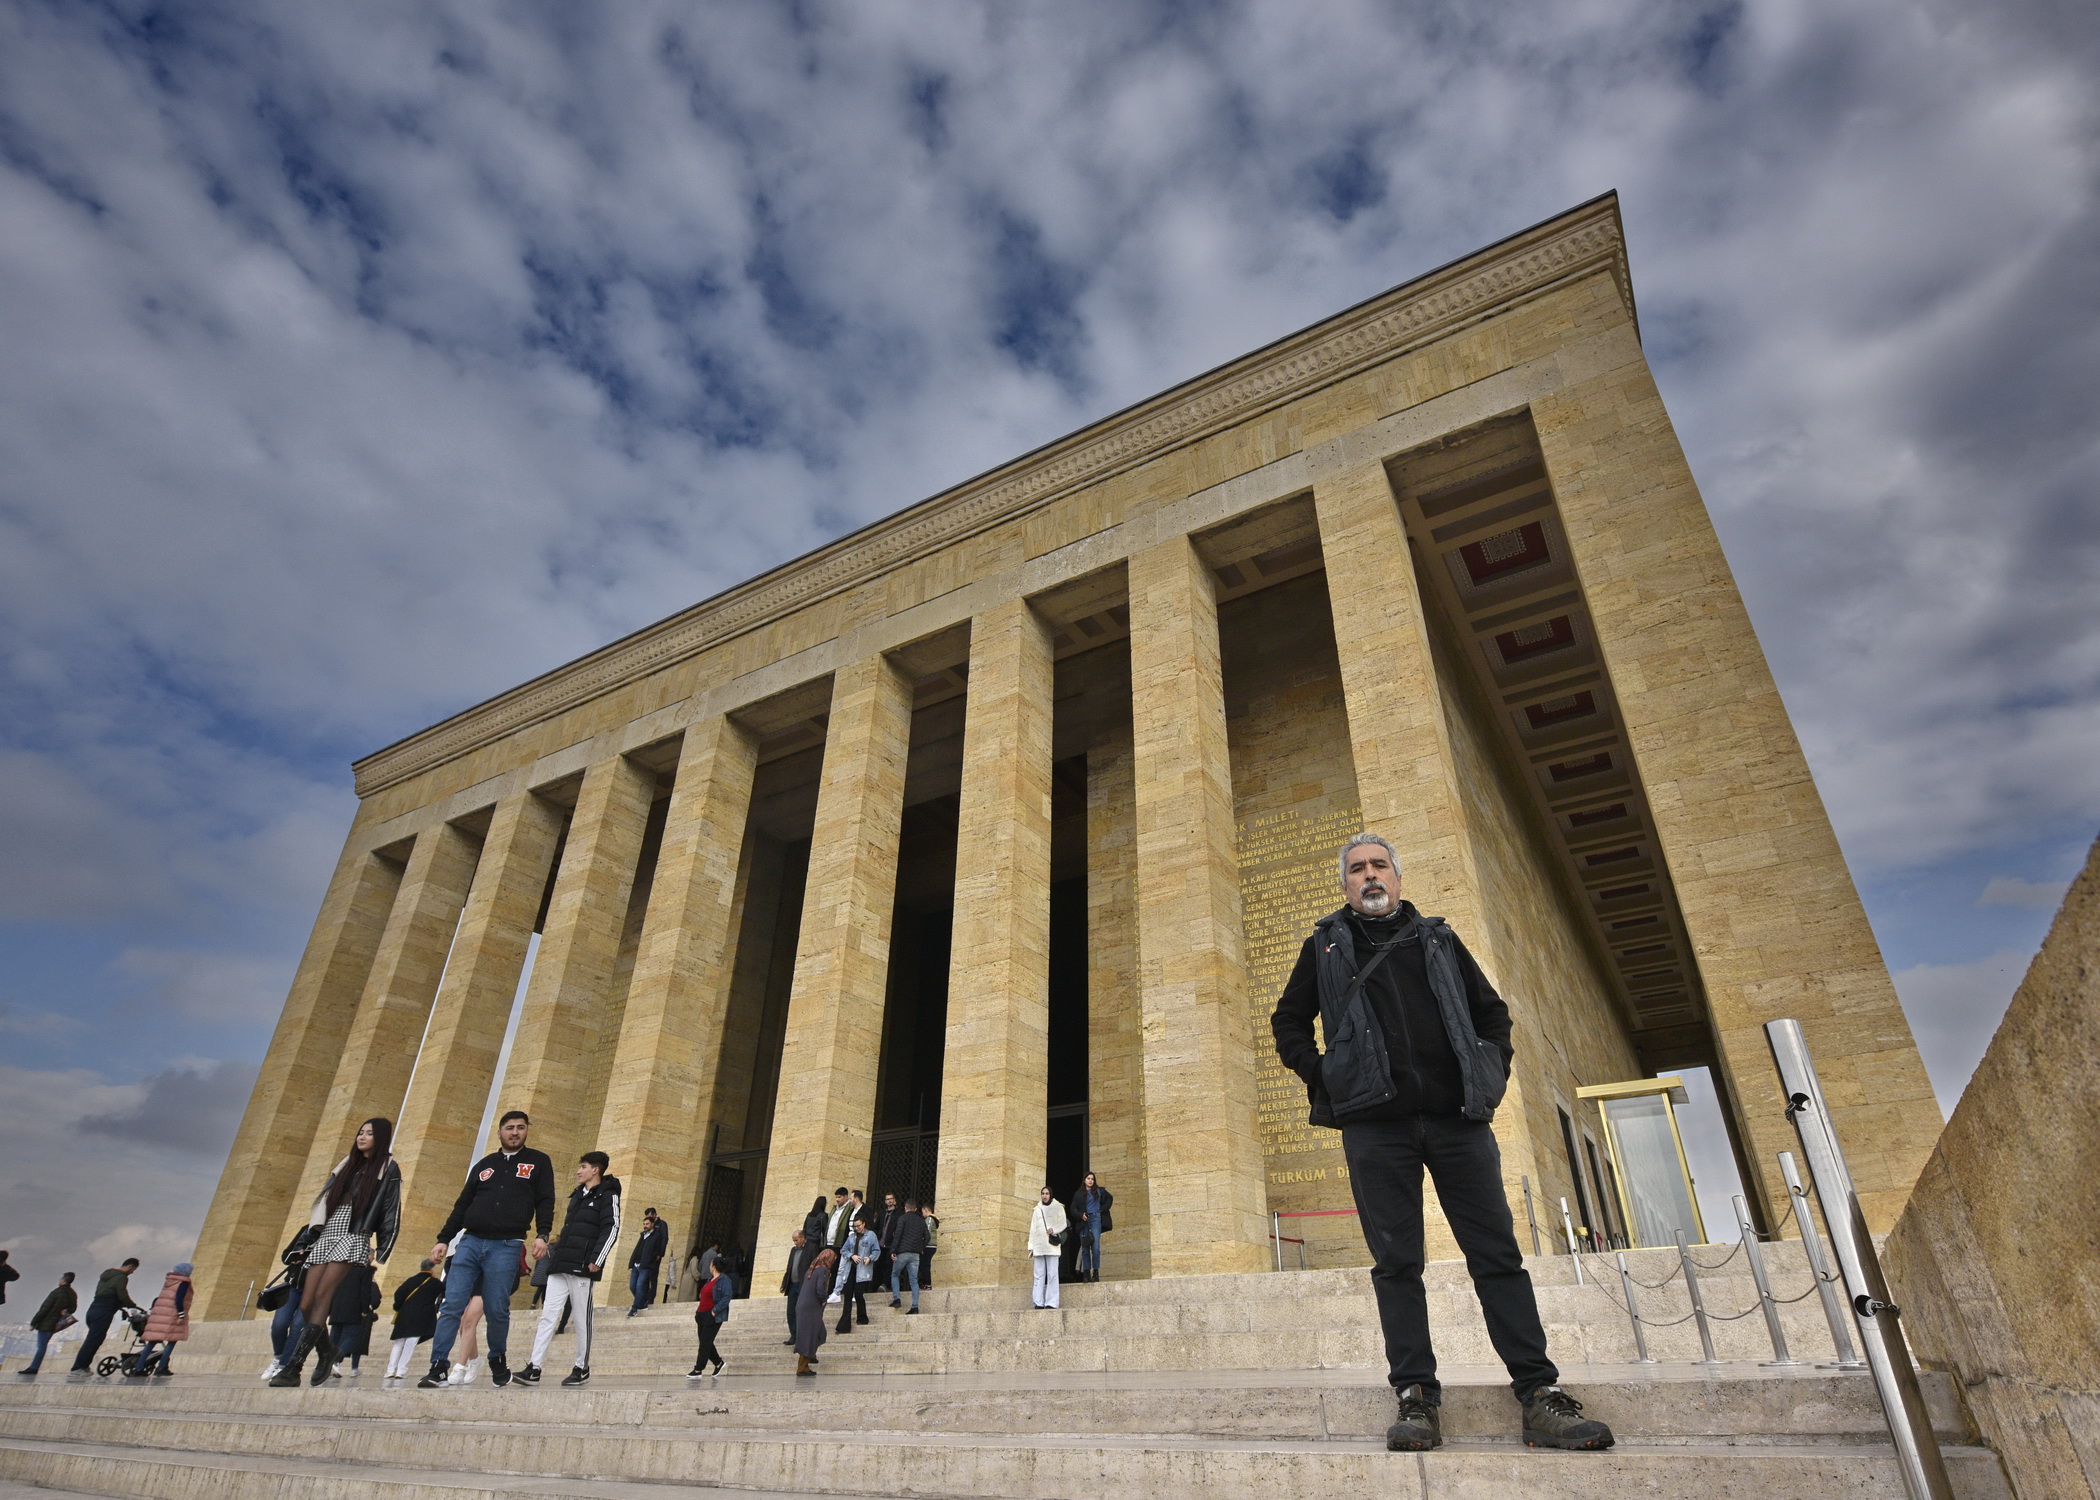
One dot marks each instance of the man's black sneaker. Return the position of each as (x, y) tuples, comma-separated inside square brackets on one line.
[(696, 1372), (909, 1311), (1419, 1428), (1554, 1419), (896, 1302), (499, 1370), (530, 1374), (576, 1376), (789, 1342), (434, 1379)]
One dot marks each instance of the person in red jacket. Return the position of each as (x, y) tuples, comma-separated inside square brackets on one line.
[(167, 1324)]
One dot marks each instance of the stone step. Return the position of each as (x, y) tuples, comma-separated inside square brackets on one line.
[(1649, 1407), (425, 1461)]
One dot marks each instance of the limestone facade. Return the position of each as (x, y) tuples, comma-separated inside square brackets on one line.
[(967, 852)]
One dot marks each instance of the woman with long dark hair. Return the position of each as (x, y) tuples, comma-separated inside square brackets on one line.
[(362, 1198)]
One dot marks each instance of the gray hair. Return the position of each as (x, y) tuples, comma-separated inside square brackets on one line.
[(1356, 840)]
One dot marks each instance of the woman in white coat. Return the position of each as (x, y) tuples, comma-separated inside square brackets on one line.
[(1046, 1231)]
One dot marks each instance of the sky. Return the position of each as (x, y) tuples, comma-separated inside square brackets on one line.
[(364, 360)]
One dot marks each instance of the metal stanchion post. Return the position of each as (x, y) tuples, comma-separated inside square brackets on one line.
[(1818, 1267), (248, 1302), (1756, 1255), (1531, 1218), (1276, 1234), (1910, 1425), (1633, 1311), (1567, 1222), (1691, 1285)]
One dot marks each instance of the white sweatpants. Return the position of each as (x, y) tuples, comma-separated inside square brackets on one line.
[(398, 1356), (573, 1292), (1045, 1280)]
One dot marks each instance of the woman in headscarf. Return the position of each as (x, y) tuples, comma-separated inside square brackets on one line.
[(809, 1309), (362, 1198)]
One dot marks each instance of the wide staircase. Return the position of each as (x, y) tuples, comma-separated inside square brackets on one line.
[(1269, 1383)]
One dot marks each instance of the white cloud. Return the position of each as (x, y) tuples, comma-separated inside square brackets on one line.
[(1954, 1010), (2035, 895)]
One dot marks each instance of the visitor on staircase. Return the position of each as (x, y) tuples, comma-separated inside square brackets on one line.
[(861, 1251), (55, 1314), (1046, 1233), (507, 1192), (415, 1318), (799, 1258), (905, 1252), (1418, 1056), (708, 1318), (112, 1294), (885, 1234), (809, 1309), (590, 1232), (361, 1198), (167, 1324), (642, 1264), (1090, 1216)]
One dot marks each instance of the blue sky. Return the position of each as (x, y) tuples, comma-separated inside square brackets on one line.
[(363, 360)]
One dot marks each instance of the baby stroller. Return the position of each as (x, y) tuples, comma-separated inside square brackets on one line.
[(135, 1322)]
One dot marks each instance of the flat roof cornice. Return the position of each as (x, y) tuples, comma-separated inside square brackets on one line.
[(1577, 243)]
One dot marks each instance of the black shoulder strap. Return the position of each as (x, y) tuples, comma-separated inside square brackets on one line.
[(1378, 956)]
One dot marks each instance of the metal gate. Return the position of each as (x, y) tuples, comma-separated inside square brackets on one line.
[(903, 1162)]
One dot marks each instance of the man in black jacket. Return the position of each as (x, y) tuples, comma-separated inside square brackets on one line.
[(57, 1308), (589, 1233), (112, 1295), (1418, 1055), (508, 1192), (642, 1264)]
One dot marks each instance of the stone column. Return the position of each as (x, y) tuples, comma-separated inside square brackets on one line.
[(1767, 900), (1406, 774), (659, 1099), (995, 1076), (553, 1056), (240, 1240), (437, 1136), (380, 1051), (1115, 1031), (1209, 1200), (824, 1114)]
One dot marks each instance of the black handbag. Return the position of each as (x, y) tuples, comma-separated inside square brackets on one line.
[(301, 1242), (274, 1296)]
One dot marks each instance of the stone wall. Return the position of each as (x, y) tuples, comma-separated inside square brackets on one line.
[(1993, 1260)]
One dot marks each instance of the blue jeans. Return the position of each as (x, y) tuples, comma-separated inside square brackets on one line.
[(641, 1285), (1089, 1258), (43, 1342), (899, 1266), (99, 1313), (286, 1324), (488, 1268), (146, 1358)]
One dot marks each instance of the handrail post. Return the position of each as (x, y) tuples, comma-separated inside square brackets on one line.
[(1756, 1255), (1567, 1223), (1276, 1234), (1910, 1425), (1818, 1267), (1531, 1218), (1691, 1285), (1640, 1339)]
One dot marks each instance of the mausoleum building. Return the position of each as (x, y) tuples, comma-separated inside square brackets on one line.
[(970, 851)]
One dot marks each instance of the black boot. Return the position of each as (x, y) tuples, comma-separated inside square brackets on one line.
[(295, 1358), (325, 1356)]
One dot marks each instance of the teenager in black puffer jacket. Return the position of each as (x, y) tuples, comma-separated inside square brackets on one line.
[(579, 1255)]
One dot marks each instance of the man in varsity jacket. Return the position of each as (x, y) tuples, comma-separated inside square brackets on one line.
[(589, 1234), (508, 1192)]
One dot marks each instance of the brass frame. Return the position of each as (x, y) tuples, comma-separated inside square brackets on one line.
[(1673, 1094)]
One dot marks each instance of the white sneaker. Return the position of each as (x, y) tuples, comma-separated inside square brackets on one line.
[(834, 1300), (474, 1369), (458, 1375), (275, 1366)]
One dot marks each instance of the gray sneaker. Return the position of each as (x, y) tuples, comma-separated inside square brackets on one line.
[(1554, 1419), (1419, 1428)]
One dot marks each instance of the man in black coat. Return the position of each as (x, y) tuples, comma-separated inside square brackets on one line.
[(57, 1308), (508, 1192), (112, 1295), (589, 1234), (643, 1263), (1418, 1055)]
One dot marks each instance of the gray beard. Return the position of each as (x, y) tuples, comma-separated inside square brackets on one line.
[(1376, 904)]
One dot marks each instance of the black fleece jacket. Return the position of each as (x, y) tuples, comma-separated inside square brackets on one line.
[(507, 1193)]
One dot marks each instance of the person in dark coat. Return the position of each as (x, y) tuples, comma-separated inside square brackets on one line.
[(791, 1279), (56, 1313), (7, 1273), (351, 1314), (1091, 1218), (809, 1309), (415, 1318), (112, 1295)]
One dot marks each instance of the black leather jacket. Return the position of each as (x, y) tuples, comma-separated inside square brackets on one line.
[(382, 1216)]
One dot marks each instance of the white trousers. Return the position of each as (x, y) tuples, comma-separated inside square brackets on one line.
[(573, 1292), (1045, 1280), (398, 1356)]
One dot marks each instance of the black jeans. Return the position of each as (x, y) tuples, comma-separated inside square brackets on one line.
[(1386, 1158), (855, 1297), (99, 1313)]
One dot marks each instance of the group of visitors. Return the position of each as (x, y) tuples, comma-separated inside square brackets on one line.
[(160, 1327)]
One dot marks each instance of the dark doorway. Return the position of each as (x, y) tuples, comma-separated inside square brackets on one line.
[(915, 1014)]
